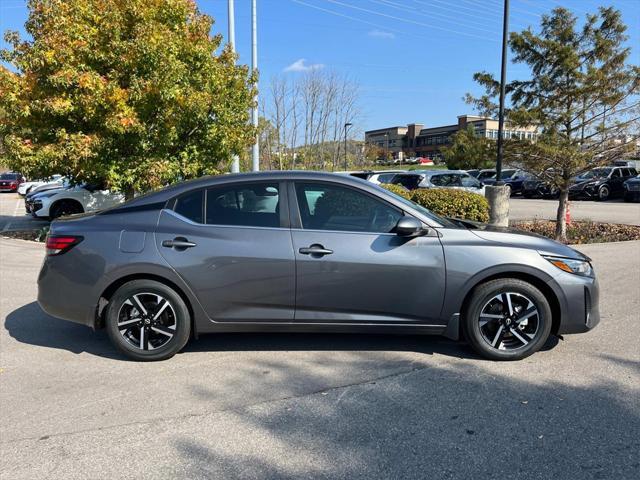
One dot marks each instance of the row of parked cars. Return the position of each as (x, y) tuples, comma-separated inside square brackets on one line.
[(599, 183), (56, 196)]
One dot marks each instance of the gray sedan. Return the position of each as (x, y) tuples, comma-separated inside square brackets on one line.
[(296, 251)]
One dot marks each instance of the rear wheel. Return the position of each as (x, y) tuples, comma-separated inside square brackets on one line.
[(507, 319), (65, 207), (147, 320)]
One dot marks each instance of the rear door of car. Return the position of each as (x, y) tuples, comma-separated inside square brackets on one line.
[(232, 245), (616, 181), (350, 266)]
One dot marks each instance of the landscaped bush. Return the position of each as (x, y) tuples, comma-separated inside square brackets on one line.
[(448, 202)]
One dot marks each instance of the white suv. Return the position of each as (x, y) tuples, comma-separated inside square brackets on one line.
[(67, 201)]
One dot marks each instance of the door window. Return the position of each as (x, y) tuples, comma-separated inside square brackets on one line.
[(337, 208), (189, 205), (616, 173), (250, 205)]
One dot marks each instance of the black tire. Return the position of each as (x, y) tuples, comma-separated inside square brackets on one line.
[(603, 193), (65, 207), (174, 318), (510, 346)]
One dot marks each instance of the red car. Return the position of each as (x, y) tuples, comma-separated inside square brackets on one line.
[(9, 181)]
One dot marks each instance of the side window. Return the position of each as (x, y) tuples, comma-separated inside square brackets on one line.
[(469, 181), (616, 173), (190, 205), (441, 180), (625, 172), (333, 207), (633, 172), (249, 205)]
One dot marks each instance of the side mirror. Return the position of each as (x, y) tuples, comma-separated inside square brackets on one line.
[(409, 227)]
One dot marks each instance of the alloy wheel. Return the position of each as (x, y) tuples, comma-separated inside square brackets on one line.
[(147, 321), (509, 321), (603, 193)]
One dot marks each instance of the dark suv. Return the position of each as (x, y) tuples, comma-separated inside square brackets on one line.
[(601, 183)]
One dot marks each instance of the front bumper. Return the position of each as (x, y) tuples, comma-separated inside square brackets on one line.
[(579, 298)]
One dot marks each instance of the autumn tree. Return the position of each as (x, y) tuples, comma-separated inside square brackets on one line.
[(469, 151), (134, 93), (581, 92)]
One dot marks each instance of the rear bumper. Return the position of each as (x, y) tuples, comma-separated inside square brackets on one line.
[(64, 294)]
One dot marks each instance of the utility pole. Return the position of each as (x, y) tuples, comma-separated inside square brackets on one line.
[(235, 160), (255, 151), (346, 126), (498, 194)]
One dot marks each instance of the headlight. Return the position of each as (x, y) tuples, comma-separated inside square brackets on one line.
[(579, 267)]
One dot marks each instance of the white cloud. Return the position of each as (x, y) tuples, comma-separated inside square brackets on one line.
[(381, 34), (301, 66)]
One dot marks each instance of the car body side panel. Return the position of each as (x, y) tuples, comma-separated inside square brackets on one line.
[(239, 274), (369, 278)]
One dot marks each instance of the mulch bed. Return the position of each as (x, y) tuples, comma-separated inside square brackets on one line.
[(584, 232), (33, 235)]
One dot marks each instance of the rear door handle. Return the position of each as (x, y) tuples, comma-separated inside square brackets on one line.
[(179, 243), (314, 250)]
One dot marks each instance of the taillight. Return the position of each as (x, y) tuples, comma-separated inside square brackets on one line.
[(57, 244)]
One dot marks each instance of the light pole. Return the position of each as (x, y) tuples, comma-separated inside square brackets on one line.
[(235, 160), (346, 126), (503, 80), (498, 194), (255, 152)]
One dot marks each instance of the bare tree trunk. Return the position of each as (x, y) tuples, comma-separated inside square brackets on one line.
[(561, 223)]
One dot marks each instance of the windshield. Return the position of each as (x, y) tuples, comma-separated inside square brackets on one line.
[(596, 173), (9, 176), (486, 174), (427, 213)]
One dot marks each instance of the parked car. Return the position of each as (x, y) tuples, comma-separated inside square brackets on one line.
[(534, 187), (512, 178), (384, 176), (305, 251), (27, 187), (68, 201), (10, 181), (486, 173), (62, 182), (458, 179), (632, 189), (601, 183), (424, 161)]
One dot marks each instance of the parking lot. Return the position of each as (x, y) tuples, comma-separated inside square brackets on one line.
[(316, 406)]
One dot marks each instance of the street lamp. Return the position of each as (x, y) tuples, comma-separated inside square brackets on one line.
[(346, 126)]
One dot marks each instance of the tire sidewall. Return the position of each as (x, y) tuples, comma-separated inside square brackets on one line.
[(183, 320), (483, 294)]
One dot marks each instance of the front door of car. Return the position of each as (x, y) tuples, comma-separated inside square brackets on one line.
[(352, 268), (231, 244), (616, 180)]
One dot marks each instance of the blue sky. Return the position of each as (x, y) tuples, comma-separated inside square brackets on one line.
[(413, 58)]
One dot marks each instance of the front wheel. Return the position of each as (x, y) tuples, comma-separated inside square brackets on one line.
[(147, 320), (603, 193), (507, 319)]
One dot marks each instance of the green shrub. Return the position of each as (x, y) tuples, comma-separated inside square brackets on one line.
[(448, 202)]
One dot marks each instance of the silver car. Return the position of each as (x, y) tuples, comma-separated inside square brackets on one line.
[(457, 179), (302, 251)]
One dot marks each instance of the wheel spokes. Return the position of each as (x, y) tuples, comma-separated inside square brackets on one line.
[(509, 321), (147, 321)]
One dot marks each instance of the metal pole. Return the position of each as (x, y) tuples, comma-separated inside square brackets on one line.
[(503, 80), (235, 160), (255, 151)]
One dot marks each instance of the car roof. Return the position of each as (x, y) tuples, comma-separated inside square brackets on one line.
[(172, 191)]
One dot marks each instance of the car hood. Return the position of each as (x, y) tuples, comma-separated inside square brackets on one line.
[(520, 238)]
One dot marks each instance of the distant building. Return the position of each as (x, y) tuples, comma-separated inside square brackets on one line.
[(414, 139)]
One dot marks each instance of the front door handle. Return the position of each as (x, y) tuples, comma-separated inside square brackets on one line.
[(179, 243), (315, 250)]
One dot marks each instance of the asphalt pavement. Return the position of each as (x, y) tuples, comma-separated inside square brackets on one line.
[(243, 406)]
